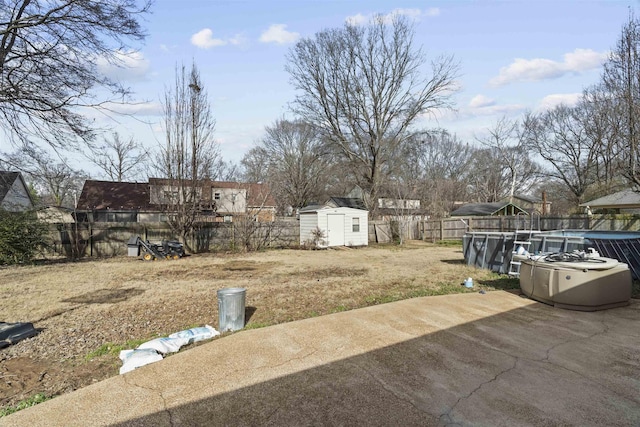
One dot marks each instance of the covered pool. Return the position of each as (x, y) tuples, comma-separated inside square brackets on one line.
[(493, 250)]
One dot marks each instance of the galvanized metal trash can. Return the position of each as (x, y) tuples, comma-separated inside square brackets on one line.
[(231, 309)]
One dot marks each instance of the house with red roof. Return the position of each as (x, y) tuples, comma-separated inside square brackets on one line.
[(219, 201)]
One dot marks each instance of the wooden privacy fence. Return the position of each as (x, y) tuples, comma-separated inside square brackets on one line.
[(454, 228), (110, 238)]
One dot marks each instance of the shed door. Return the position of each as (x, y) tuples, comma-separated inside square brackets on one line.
[(335, 226)]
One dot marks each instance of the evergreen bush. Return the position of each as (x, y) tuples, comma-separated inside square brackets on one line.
[(22, 237)]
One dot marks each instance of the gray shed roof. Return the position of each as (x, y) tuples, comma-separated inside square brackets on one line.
[(312, 208), (483, 209), (347, 202), (628, 198)]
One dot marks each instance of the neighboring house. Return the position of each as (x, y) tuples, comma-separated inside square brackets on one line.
[(107, 201), (529, 203), (488, 209), (14, 193), (327, 226), (623, 202), (55, 215), (388, 207)]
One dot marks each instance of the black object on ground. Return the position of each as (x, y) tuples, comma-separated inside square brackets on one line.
[(167, 249), (11, 333)]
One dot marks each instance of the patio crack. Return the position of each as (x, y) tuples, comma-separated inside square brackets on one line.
[(547, 359), (401, 396), (446, 418), (165, 406)]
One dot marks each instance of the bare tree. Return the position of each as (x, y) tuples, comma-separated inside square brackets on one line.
[(190, 153), (560, 138), (226, 171), (604, 126), (296, 162), (49, 50), (120, 158), (54, 181), (505, 162), (363, 87), (255, 165), (621, 78), (440, 164)]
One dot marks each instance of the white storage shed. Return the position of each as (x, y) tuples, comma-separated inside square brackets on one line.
[(338, 226)]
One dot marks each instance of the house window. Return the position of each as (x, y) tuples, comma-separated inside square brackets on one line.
[(228, 218), (355, 225), (216, 196)]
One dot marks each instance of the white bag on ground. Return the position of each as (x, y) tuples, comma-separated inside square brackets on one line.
[(196, 334), (165, 345), (132, 359)]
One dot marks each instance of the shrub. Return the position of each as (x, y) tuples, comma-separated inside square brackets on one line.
[(22, 237), (316, 240)]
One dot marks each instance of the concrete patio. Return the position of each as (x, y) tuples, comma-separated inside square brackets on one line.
[(494, 359)]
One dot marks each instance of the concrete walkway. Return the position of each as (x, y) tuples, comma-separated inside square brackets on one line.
[(495, 359)]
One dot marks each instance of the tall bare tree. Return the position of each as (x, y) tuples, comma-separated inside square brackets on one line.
[(621, 78), (255, 165), (560, 138), (505, 161), (297, 162), (190, 153), (120, 158), (604, 126), (363, 87), (49, 50), (441, 164)]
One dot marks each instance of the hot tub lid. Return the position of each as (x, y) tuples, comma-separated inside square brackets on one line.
[(564, 260)]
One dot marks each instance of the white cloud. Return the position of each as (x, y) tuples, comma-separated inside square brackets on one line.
[(358, 19), (129, 66), (537, 69), (277, 33), (416, 14), (411, 13), (551, 101), (135, 109), (204, 39), (479, 101), (495, 109), (239, 39), (584, 59)]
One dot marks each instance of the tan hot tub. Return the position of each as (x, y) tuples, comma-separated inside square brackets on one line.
[(586, 284)]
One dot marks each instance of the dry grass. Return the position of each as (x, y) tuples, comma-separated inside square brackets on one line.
[(88, 306)]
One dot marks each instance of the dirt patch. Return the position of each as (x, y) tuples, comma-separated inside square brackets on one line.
[(323, 273), (86, 311), (105, 296)]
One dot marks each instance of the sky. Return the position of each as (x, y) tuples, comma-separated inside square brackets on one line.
[(514, 56)]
